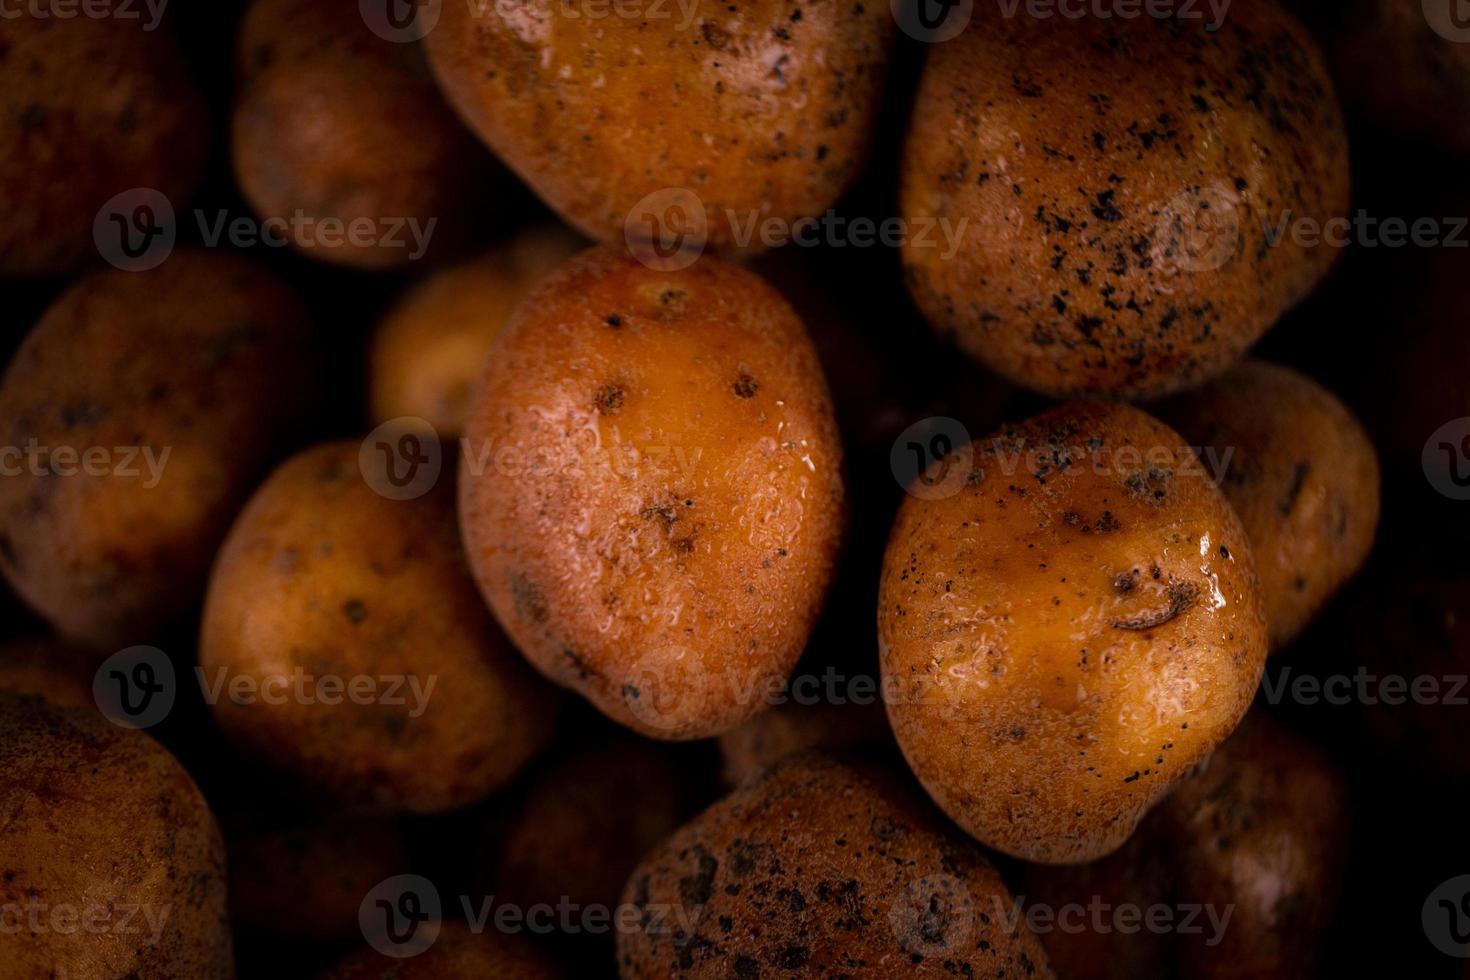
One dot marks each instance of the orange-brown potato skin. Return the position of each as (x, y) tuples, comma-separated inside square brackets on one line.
[(1090, 158), (767, 110), (821, 868), (651, 497), (323, 575), (458, 952), (1067, 634), (338, 123), (105, 822), (1302, 476), (207, 359), (792, 728), (429, 351), (89, 107)]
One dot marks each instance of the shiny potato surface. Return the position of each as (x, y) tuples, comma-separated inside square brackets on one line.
[(368, 665), (817, 869), (1069, 631), (110, 862), (760, 111), (89, 108), (1301, 474), (340, 139), (429, 350), (651, 496), (135, 417), (1117, 179)]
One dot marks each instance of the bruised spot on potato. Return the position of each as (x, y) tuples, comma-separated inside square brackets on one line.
[(609, 399), (696, 889), (745, 386), (1298, 481), (1180, 595), (1151, 485), (354, 610), (530, 602), (614, 321)]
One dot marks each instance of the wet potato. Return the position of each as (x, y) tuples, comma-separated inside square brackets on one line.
[(651, 496), (1116, 179), (1069, 631)]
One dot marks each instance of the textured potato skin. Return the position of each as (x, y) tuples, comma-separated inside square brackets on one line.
[(767, 109), (651, 498), (338, 123), (44, 666), (792, 728), (1068, 634), (179, 360), (1302, 476), (322, 574), (458, 952), (821, 868), (97, 817), (89, 107), (1091, 157), (1262, 828), (430, 348)]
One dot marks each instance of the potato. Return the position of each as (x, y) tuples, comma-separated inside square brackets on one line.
[(1118, 178), (112, 863), (367, 665), (1301, 474), (651, 497), (136, 415), (89, 108), (1262, 831), (44, 666), (1395, 66), (430, 348), (587, 820), (792, 728), (325, 862), (1072, 629), (819, 869), (762, 112), (341, 129), (458, 952)]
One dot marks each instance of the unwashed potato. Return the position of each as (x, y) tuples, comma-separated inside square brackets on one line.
[(457, 952), (1395, 66), (822, 868), (324, 588), (587, 820), (430, 349), (1118, 178), (765, 111), (90, 107), (791, 728), (1301, 474), (110, 862), (1261, 835), (335, 125), (134, 418), (1068, 631), (47, 667), (324, 863), (651, 496)]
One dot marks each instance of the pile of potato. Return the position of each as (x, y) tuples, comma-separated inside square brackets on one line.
[(475, 501)]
